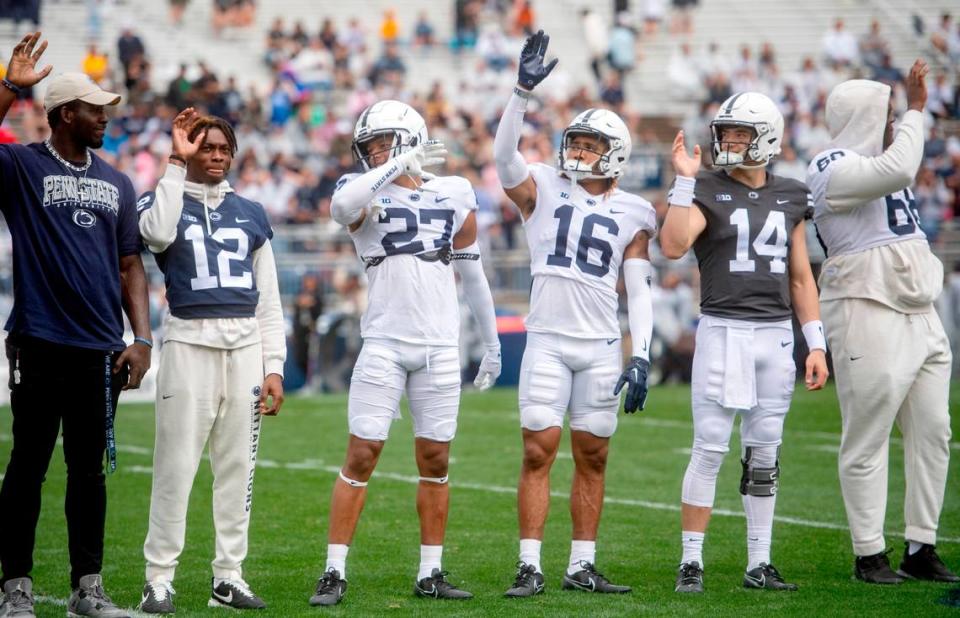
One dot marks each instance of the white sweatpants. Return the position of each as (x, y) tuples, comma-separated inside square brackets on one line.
[(204, 394), (890, 367)]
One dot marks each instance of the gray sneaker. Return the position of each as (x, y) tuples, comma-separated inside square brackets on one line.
[(234, 593), (90, 600), (158, 598), (18, 598)]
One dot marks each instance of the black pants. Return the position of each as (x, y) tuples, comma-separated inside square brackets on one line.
[(56, 383)]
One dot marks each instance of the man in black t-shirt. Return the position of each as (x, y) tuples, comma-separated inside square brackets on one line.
[(76, 264)]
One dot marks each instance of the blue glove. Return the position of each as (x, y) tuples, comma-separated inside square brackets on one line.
[(636, 376), (532, 71)]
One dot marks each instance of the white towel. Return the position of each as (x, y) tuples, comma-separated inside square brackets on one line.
[(740, 375)]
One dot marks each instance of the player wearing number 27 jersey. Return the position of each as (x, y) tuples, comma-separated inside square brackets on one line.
[(580, 229), (890, 353), (746, 227)]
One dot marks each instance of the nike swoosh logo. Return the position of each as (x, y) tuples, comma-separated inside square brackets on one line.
[(224, 599), (591, 587), (784, 344), (783, 201), (439, 199), (616, 212), (143, 599), (610, 341), (760, 582), (644, 345), (166, 396), (239, 220), (853, 358), (433, 591)]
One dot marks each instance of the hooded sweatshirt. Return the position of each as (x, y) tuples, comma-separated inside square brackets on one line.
[(158, 226), (864, 211)]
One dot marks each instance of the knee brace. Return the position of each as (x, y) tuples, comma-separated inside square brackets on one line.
[(700, 479), (351, 482), (756, 480), (537, 418)]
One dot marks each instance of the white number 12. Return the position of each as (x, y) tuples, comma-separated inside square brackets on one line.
[(204, 280)]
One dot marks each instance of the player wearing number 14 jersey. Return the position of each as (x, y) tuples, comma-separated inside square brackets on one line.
[(580, 228), (747, 230), (222, 356)]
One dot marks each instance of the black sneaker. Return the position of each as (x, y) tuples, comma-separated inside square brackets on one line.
[(689, 578), (925, 564), (589, 579), (234, 593), (157, 598), (876, 569), (18, 598), (437, 587), (766, 576), (330, 588), (528, 582)]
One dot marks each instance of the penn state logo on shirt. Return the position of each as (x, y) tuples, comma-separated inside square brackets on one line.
[(256, 391), (215, 216), (84, 218), (414, 197), (753, 195)]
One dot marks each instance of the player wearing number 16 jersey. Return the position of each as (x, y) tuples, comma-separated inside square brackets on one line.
[(412, 230), (222, 356), (890, 353), (747, 230), (580, 229)]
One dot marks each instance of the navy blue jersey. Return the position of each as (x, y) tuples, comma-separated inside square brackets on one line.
[(211, 275), (69, 231)]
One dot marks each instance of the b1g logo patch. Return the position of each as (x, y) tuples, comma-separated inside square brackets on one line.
[(256, 391)]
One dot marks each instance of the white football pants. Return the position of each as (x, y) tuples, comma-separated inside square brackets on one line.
[(890, 367), (204, 394)]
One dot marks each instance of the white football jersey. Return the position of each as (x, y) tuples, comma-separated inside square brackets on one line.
[(886, 220), (576, 243), (412, 299)]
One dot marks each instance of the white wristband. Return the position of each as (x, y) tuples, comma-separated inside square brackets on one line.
[(813, 334), (682, 192)]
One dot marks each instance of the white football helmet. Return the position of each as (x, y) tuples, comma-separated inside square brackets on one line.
[(612, 130), (388, 118), (754, 111)]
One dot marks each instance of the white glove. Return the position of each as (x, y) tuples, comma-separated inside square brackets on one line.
[(430, 153), (489, 368)]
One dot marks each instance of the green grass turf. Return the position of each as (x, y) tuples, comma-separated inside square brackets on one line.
[(638, 543)]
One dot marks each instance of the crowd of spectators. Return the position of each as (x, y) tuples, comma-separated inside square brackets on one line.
[(294, 136)]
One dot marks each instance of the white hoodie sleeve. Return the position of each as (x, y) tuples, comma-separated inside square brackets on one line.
[(857, 180), (158, 224), (269, 311)]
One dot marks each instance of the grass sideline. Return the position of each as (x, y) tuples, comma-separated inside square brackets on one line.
[(638, 542)]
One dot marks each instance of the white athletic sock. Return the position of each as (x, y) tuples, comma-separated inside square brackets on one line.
[(759, 511), (914, 547), (581, 551), (692, 547), (530, 552), (430, 557), (337, 558)]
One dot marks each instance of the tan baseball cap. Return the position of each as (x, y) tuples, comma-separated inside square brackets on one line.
[(75, 86)]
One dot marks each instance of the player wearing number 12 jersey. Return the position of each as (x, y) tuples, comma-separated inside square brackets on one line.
[(580, 229), (747, 231), (890, 353), (412, 230), (222, 356)]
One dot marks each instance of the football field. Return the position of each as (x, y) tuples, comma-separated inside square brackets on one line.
[(301, 451)]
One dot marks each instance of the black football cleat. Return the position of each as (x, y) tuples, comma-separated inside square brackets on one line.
[(876, 569), (528, 582), (926, 565), (330, 588), (589, 579), (767, 577), (437, 587), (689, 578)]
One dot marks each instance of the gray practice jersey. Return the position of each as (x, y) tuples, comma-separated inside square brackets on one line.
[(743, 252)]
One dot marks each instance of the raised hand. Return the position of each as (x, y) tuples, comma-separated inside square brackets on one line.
[(684, 164), (917, 85), (22, 68), (532, 71), (182, 146), (427, 154)]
